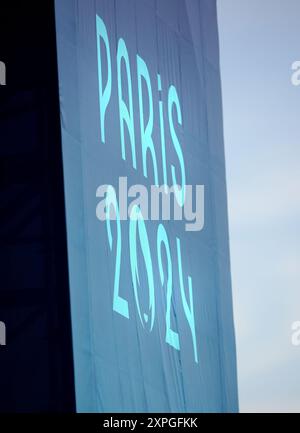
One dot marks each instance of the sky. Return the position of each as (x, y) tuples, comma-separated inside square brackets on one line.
[(259, 41)]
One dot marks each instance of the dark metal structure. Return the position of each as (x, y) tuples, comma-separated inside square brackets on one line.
[(36, 367)]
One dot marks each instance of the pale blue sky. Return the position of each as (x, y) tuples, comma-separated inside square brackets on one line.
[(259, 40)]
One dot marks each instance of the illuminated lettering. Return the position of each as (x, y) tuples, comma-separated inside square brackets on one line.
[(112, 209), (126, 115), (146, 131), (173, 100), (104, 91)]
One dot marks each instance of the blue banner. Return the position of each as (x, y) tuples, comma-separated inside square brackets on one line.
[(149, 266)]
